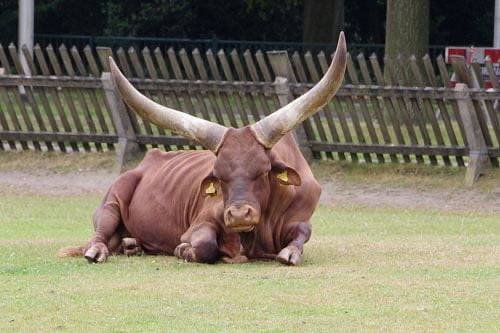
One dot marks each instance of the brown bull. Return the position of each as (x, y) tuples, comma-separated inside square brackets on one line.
[(250, 196)]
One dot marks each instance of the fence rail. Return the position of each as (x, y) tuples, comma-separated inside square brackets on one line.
[(392, 113)]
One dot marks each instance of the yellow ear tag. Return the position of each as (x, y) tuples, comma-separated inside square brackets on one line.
[(283, 176), (210, 190)]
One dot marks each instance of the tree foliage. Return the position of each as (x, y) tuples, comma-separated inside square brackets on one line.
[(459, 22)]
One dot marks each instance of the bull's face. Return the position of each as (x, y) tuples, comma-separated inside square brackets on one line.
[(243, 172)]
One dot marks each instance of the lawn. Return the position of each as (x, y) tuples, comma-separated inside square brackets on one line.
[(364, 269)]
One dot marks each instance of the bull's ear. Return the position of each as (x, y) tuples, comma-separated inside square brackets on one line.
[(285, 174), (210, 186)]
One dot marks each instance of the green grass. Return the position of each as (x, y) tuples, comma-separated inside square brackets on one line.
[(364, 269)]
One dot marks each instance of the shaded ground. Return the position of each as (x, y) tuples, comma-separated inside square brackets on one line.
[(343, 184)]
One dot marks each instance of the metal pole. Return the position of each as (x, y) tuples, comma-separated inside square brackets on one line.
[(26, 30), (496, 38)]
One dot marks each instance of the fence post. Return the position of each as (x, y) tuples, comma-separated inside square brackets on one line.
[(479, 160), (127, 141), (283, 71)]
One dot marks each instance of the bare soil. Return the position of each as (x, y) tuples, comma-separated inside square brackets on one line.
[(372, 186)]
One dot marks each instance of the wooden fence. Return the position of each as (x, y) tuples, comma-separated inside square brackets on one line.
[(408, 114), (236, 66)]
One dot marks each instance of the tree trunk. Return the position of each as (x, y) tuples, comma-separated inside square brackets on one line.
[(407, 28), (323, 20)]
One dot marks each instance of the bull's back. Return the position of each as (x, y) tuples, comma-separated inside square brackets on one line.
[(167, 198)]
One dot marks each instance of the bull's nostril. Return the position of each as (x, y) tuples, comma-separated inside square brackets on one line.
[(248, 213)]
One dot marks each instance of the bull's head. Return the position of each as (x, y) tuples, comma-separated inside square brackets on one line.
[(245, 166)]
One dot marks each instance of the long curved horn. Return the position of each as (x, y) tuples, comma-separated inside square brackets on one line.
[(270, 129), (206, 133)]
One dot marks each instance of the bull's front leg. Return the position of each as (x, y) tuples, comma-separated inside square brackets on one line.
[(295, 235), (199, 244)]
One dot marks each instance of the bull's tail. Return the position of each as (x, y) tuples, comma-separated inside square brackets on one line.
[(71, 251)]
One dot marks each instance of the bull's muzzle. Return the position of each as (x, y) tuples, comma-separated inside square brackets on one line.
[(241, 217)]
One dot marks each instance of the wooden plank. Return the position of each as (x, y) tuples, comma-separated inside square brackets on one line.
[(80, 97), (417, 75), (146, 55), (214, 70), (248, 99), (103, 54), (429, 70), (213, 106), (4, 61), (7, 101), (379, 76), (78, 61), (250, 64), (136, 63), (337, 108), (264, 69), (15, 59), (3, 118), (235, 58), (378, 104), (162, 66), (53, 95), (122, 60), (29, 60), (40, 58), (186, 64), (491, 72), (254, 75), (17, 95), (66, 95), (352, 101), (426, 114), (188, 69), (420, 120), (364, 69), (94, 70), (427, 104), (228, 76), (390, 104), (30, 94), (443, 71), (92, 94), (25, 116), (449, 127), (479, 160)]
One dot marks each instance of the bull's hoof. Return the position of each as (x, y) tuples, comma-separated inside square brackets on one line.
[(131, 247), (180, 249), (96, 253), (290, 255), (239, 259)]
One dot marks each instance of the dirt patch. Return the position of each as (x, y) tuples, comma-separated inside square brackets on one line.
[(342, 193), (71, 183), (343, 184), (335, 192)]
